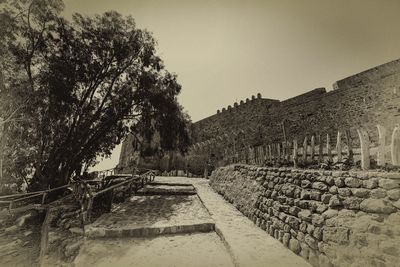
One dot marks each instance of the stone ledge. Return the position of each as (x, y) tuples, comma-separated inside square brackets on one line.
[(166, 189), (102, 232)]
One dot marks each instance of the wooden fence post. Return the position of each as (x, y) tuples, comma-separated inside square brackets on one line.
[(269, 153), (381, 145), (349, 145), (305, 149), (328, 147), (339, 146), (278, 147), (395, 146), (312, 148), (295, 148), (320, 149), (364, 142)]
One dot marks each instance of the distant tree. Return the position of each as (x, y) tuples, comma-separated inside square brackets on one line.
[(83, 86)]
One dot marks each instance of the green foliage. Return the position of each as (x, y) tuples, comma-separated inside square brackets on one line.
[(79, 87)]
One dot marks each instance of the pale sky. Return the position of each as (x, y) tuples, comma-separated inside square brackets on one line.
[(226, 51)]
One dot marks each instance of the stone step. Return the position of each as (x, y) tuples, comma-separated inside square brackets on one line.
[(166, 189), (153, 215), (98, 232)]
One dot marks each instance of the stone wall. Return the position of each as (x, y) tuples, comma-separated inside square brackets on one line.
[(242, 115), (330, 218), (362, 101)]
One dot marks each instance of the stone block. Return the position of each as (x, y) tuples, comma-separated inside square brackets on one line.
[(305, 251), (378, 193), (293, 233), (311, 242), (300, 236), (285, 239), (303, 227), (315, 195), (294, 246), (310, 228), (320, 186), (333, 189), (294, 210), (321, 208), (305, 184), (339, 182), (370, 184), (325, 198), (304, 204), (397, 204), (389, 183), (352, 203), (282, 216), (360, 192), (305, 195), (335, 202), (293, 222), (339, 235), (352, 182), (344, 192), (330, 180), (377, 206), (394, 194), (330, 213), (317, 219), (318, 233), (305, 215)]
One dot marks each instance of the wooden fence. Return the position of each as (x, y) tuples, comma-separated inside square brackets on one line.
[(318, 149)]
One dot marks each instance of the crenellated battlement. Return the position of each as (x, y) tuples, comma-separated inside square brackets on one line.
[(247, 101)]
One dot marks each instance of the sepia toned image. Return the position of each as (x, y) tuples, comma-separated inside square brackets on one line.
[(213, 133)]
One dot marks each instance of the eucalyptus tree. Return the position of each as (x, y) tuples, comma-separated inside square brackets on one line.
[(81, 86)]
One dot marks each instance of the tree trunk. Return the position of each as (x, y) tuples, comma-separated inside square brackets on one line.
[(170, 160), (51, 175)]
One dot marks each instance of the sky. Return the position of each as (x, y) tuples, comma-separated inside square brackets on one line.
[(226, 51)]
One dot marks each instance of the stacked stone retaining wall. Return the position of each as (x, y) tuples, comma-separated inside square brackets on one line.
[(331, 218)]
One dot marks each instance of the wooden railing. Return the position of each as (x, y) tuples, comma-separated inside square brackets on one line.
[(84, 191), (29, 198), (86, 195)]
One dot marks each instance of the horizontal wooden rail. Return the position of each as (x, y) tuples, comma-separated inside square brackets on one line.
[(36, 192), (116, 186)]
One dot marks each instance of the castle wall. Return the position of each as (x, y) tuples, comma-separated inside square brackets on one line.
[(244, 115), (362, 101)]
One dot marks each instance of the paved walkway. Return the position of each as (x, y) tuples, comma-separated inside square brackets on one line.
[(248, 244), (189, 250)]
